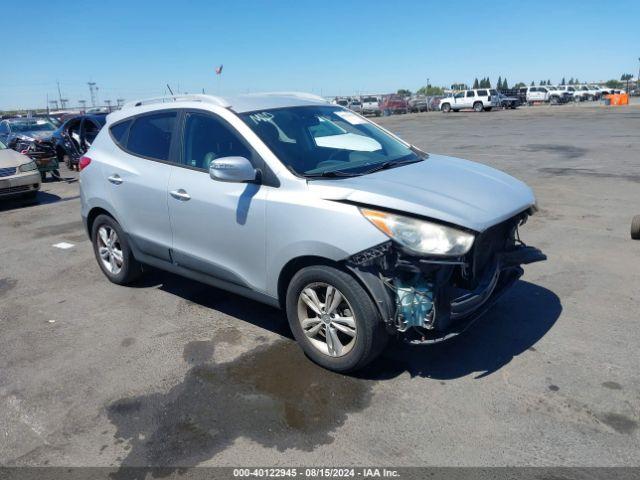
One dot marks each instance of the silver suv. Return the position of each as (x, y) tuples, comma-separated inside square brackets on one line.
[(306, 206)]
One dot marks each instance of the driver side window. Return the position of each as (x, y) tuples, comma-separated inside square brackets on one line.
[(207, 138)]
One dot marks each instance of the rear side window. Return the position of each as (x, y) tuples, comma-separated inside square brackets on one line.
[(482, 93), (150, 135), (118, 131)]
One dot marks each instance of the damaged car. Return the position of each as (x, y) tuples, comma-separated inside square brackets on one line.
[(32, 137), (74, 137), (283, 198)]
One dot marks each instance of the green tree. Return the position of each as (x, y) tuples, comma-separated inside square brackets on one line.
[(476, 84), (505, 85), (571, 81), (563, 82), (533, 83), (499, 85), (614, 84), (430, 90), (403, 92)]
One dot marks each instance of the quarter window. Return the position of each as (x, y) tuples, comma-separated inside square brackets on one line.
[(207, 138), (118, 131), (150, 135), (482, 93)]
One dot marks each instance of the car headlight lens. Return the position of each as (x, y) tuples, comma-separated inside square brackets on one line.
[(28, 167), (421, 236)]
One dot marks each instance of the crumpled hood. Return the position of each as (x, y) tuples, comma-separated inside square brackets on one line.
[(449, 189), (36, 135)]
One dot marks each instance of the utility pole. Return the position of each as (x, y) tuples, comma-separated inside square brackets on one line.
[(83, 105), (93, 89), (120, 102), (59, 94), (54, 103), (63, 103), (108, 104)]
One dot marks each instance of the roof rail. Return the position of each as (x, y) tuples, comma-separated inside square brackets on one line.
[(221, 102), (301, 95)]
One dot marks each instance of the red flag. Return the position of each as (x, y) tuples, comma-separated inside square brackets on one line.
[(219, 70)]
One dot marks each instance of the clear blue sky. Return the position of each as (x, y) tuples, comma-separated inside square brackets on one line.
[(133, 48)]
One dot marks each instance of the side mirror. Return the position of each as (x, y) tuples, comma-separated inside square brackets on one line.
[(233, 169)]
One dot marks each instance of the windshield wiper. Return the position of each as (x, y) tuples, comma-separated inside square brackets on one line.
[(332, 174), (391, 163)]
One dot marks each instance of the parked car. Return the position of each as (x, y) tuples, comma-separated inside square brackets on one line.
[(355, 105), (306, 206), (568, 91), (18, 174), (32, 137), (557, 96), (418, 103), (74, 137), (507, 101), (371, 106), (394, 104), (480, 99), (343, 102)]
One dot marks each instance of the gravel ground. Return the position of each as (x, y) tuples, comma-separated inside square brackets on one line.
[(172, 372)]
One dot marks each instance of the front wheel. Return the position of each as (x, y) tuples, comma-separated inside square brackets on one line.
[(112, 251), (446, 108), (334, 319), (478, 107)]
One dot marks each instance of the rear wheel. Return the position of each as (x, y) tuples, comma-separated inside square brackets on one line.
[(334, 319), (478, 107), (635, 228), (112, 251)]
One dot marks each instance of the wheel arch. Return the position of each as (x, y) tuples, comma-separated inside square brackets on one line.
[(93, 214)]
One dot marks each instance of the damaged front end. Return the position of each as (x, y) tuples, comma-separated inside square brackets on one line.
[(41, 150), (430, 298)]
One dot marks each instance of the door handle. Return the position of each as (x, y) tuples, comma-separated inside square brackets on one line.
[(115, 179), (180, 195)]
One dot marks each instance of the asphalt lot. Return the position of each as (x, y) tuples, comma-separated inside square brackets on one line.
[(172, 372)]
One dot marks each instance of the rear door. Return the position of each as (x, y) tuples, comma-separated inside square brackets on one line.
[(138, 176), (218, 227), (469, 98)]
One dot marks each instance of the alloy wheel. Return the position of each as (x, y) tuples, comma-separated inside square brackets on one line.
[(327, 319), (110, 250)]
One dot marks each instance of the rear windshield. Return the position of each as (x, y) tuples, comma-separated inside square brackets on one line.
[(370, 99)]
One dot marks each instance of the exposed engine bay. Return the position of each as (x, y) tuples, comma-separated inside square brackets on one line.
[(426, 299)]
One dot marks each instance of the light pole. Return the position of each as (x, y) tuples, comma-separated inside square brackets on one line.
[(638, 79)]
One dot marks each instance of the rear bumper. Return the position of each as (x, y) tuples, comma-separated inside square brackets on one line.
[(20, 184)]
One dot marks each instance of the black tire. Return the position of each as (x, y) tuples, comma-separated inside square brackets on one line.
[(478, 107), (446, 107), (131, 268), (635, 227), (371, 336)]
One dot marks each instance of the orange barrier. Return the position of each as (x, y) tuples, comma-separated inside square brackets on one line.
[(618, 99)]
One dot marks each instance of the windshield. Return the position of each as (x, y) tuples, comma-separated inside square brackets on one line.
[(370, 100), (34, 126), (327, 141)]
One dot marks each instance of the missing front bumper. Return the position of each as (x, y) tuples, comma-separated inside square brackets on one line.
[(428, 300)]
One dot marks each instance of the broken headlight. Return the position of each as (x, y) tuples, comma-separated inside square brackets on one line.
[(28, 167), (421, 236)]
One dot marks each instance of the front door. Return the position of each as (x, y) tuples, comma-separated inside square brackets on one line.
[(218, 227)]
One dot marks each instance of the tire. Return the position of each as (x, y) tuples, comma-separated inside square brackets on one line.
[(478, 107), (369, 335), (635, 227), (130, 269), (446, 108)]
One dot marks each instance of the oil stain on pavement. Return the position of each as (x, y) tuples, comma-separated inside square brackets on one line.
[(256, 396)]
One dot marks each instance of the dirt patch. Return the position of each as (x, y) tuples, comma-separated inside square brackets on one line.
[(587, 172), (620, 423), (565, 151), (6, 284)]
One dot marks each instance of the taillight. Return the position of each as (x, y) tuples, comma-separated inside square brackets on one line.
[(84, 163)]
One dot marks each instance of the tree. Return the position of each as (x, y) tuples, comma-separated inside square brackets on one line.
[(625, 78), (613, 84), (571, 81), (430, 90), (533, 83), (499, 85), (505, 85), (548, 82), (563, 82), (476, 84), (403, 92)]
